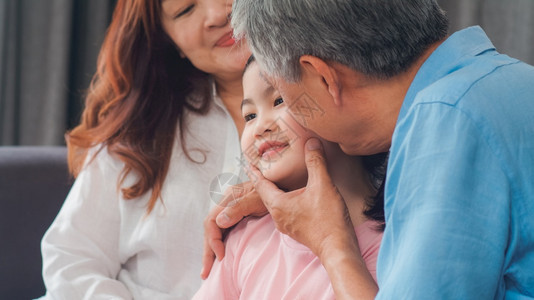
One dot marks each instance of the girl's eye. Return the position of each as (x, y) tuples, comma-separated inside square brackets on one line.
[(249, 117), (184, 12), (278, 101)]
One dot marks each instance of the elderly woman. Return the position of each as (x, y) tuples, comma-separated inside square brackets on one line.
[(161, 121)]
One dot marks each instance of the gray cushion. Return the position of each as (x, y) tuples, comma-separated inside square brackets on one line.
[(34, 182)]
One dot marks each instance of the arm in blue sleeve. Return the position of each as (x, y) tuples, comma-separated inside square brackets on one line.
[(447, 210)]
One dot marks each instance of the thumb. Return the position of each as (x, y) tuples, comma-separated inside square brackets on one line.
[(316, 163), (267, 190)]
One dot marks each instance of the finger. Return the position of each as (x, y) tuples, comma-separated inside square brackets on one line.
[(249, 170), (267, 190), (212, 249), (217, 245), (249, 204), (212, 238), (231, 196), (213, 234), (208, 257), (226, 217), (316, 163)]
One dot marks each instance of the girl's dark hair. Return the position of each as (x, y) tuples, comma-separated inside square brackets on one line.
[(250, 60), (376, 167), (137, 98)]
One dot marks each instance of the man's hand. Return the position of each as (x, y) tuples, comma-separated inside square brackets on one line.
[(314, 214), (236, 204), (318, 217)]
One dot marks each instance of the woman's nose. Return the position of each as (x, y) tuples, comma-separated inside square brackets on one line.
[(218, 13)]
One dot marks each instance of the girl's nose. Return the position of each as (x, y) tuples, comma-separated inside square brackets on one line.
[(265, 124)]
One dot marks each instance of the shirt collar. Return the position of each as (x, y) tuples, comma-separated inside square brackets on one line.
[(214, 95), (446, 58)]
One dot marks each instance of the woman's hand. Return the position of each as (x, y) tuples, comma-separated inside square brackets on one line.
[(318, 217), (238, 202)]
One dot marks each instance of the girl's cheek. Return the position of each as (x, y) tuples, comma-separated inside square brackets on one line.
[(247, 147), (299, 132)]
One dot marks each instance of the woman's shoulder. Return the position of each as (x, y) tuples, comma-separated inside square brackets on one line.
[(100, 158)]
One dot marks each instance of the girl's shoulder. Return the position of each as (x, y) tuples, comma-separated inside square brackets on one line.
[(369, 237), (251, 231)]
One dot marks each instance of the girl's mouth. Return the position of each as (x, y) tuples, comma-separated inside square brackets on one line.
[(272, 149)]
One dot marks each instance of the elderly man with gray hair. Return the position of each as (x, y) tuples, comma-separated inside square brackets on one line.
[(456, 117)]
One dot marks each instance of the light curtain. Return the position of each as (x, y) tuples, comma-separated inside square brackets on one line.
[(48, 52), (508, 23)]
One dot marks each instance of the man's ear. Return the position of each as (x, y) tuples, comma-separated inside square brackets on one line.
[(314, 66)]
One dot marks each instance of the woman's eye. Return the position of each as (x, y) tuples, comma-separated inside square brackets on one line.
[(249, 117), (184, 11), (278, 101)]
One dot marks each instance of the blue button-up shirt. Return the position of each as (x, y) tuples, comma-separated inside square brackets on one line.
[(459, 197)]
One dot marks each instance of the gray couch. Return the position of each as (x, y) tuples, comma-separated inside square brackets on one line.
[(34, 182)]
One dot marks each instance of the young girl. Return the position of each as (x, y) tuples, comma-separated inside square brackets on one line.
[(260, 262)]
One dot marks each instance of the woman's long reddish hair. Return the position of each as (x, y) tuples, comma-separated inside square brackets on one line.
[(137, 99)]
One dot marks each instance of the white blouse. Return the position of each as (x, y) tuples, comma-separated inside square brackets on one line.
[(101, 246)]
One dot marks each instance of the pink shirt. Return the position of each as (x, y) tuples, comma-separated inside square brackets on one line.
[(262, 263)]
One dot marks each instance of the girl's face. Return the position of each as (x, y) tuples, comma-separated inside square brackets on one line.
[(201, 30), (272, 140)]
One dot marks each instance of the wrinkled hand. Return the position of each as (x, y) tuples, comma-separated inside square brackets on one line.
[(236, 204), (315, 215)]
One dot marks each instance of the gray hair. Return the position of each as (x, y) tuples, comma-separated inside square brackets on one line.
[(379, 38)]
